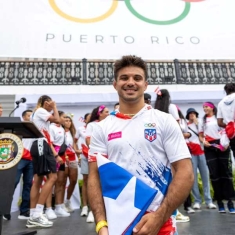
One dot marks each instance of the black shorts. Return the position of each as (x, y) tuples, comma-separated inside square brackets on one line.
[(62, 167), (45, 162)]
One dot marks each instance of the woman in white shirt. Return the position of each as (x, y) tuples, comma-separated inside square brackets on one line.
[(219, 162), (80, 140), (97, 114), (57, 135), (163, 103), (187, 135), (42, 118), (71, 168)]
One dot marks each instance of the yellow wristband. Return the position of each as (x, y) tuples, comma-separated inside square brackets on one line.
[(100, 225)]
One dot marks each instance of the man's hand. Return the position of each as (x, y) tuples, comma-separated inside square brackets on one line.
[(104, 231), (150, 224)]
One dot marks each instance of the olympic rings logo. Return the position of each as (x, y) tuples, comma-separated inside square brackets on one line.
[(129, 6), (150, 125)]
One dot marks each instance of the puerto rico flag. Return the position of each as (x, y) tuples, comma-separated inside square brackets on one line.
[(126, 198)]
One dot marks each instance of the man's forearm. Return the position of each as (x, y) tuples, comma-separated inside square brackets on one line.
[(179, 188), (221, 123), (95, 197)]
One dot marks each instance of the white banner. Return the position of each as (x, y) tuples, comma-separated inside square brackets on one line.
[(107, 29)]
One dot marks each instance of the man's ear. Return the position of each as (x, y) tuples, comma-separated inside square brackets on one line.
[(114, 84), (146, 85)]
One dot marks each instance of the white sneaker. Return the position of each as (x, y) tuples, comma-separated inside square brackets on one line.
[(44, 215), (40, 221), (190, 210), (84, 211), (197, 206), (68, 207), (180, 218), (61, 212), (211, 206), (90, 218), (50, 214)]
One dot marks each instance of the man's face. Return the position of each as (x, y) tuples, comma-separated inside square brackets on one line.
[(26, 117), (0, 111), (131, 84), (147, 101), (116, 107), (192, 117)]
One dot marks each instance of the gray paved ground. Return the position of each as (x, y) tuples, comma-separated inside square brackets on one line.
[(206, 222)]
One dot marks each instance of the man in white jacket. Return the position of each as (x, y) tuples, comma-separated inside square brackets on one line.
[(226, 111)]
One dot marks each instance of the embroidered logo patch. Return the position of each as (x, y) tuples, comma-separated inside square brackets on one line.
[(115, 135), (150, 134)]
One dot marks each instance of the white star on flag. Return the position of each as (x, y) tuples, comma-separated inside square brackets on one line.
[(126, 198)]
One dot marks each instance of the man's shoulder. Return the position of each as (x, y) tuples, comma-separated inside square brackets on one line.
[(107, 120), (159, 114), (227, 99)]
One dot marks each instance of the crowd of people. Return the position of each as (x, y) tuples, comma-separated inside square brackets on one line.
[(183, 145)]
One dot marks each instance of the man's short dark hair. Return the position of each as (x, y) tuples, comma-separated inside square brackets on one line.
[(116, 104), (129, 60), (229, 88), (26, 111)]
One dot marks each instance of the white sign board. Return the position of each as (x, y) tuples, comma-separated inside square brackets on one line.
[(107, 29)]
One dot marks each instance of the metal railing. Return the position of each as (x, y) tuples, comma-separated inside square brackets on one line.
[(86, 72)]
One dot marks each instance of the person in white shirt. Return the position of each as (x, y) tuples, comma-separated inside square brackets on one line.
[(163, 103), (187, 135), (80, 139), (218, 161), (98, 114), (58, 138), (42, 117), (71, 168), (199, 162), (226, 110), (145, 142)]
